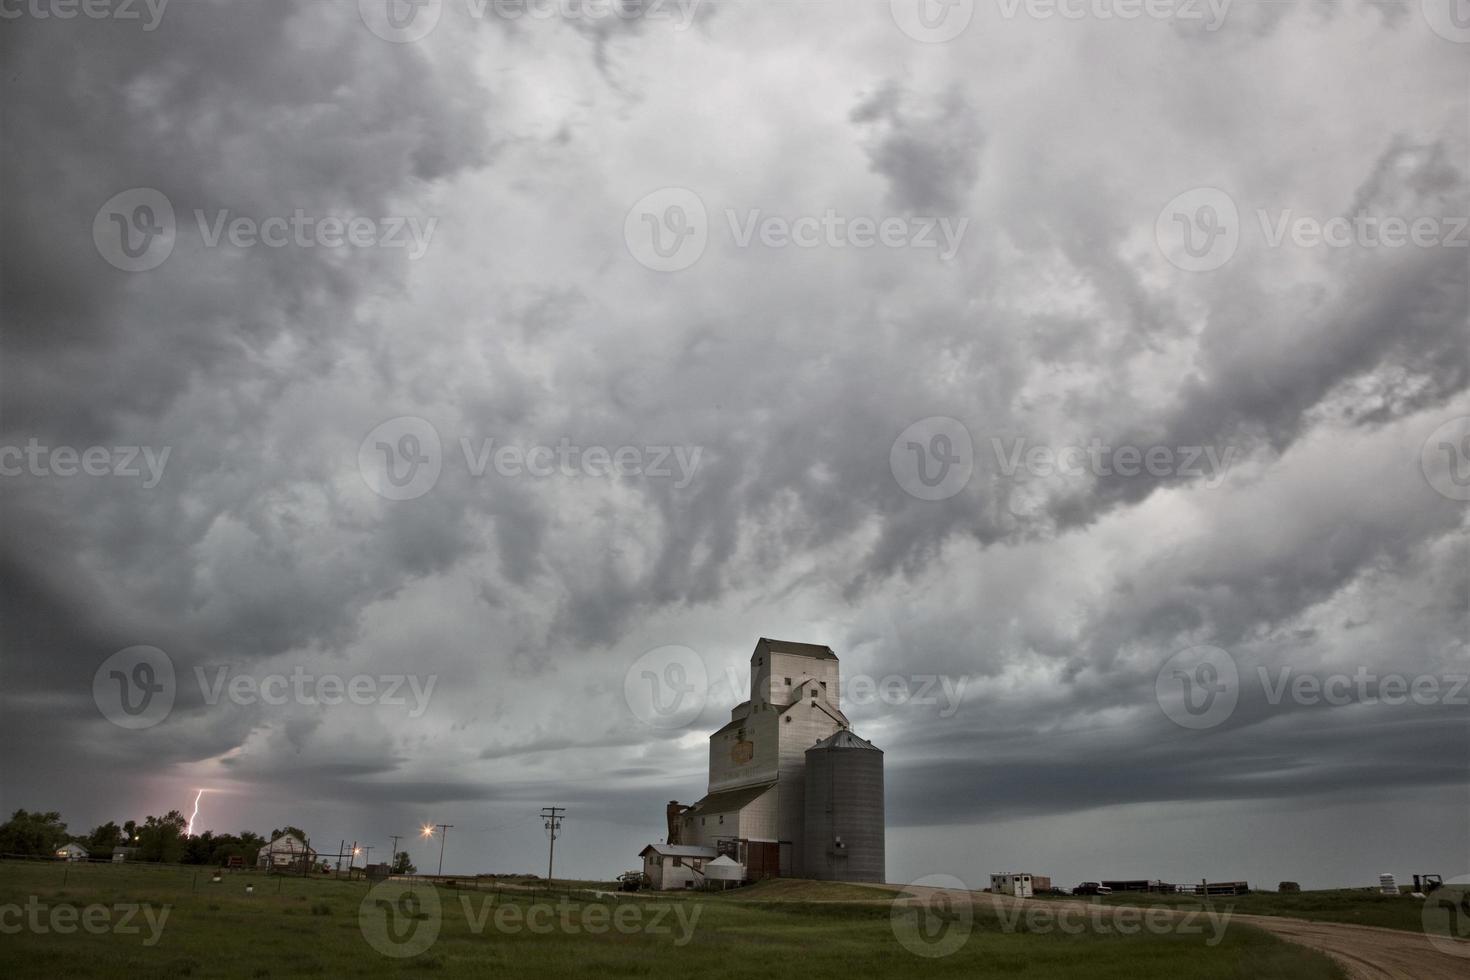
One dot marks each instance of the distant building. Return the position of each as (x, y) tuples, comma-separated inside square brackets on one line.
[(673, 866), (1014, 883), (121, 854), (72, 852), (792, 791), (286, 851)]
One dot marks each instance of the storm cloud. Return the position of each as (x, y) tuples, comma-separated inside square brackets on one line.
[(1312, 532)]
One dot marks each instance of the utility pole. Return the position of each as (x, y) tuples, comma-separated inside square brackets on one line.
[(551, 818), (444, 829), (393, 853)]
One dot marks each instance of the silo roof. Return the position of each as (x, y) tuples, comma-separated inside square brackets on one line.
[(844, 740)]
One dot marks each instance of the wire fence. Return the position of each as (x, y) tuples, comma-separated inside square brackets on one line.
[(278, 880)]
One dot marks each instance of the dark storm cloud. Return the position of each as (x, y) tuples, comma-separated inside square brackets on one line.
[(928, 149), (263, 369)]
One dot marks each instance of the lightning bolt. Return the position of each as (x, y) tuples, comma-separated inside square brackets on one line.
[(194, 815)]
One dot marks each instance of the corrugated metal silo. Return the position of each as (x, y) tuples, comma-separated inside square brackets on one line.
[(844, 810)]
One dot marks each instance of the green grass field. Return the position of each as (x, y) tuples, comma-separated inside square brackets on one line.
[(1355, 906), (293, 927)]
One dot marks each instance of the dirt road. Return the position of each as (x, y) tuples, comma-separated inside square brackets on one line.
[(1369, 953), (1365, 952)]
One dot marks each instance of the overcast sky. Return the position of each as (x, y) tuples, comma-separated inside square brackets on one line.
[(866, 308)]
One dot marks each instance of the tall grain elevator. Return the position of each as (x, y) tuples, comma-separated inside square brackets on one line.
[(844, 810), (791, 790)]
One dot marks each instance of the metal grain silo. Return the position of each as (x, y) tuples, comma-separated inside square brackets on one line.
[(843, 838)]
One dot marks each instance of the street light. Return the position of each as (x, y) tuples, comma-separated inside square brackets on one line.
[(428, 831)]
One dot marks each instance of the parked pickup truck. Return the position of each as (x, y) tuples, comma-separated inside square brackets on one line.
[(1092, 888)]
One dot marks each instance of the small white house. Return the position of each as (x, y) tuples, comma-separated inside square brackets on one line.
[(1012, 883), (673, 866), (72, 852), (286, 851)]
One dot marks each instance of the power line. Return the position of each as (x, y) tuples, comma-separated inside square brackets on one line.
[(444, 829), (551, 818)]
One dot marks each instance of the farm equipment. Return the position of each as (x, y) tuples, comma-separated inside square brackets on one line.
[(1428, 883), (632, 881)]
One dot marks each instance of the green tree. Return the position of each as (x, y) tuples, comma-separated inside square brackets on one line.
[(103, 839), (32, 834), (402, 865), (162, 838), (250, 845), (199, 849)]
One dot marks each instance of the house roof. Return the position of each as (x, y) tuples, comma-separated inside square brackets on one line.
[(844, 740), (730, 799), (680, 850), (816, 651)]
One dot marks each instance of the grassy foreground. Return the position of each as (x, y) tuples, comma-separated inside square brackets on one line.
[(293, 927), (1350, 905)]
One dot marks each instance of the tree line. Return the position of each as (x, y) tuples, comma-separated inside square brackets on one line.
[(157, 839)]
